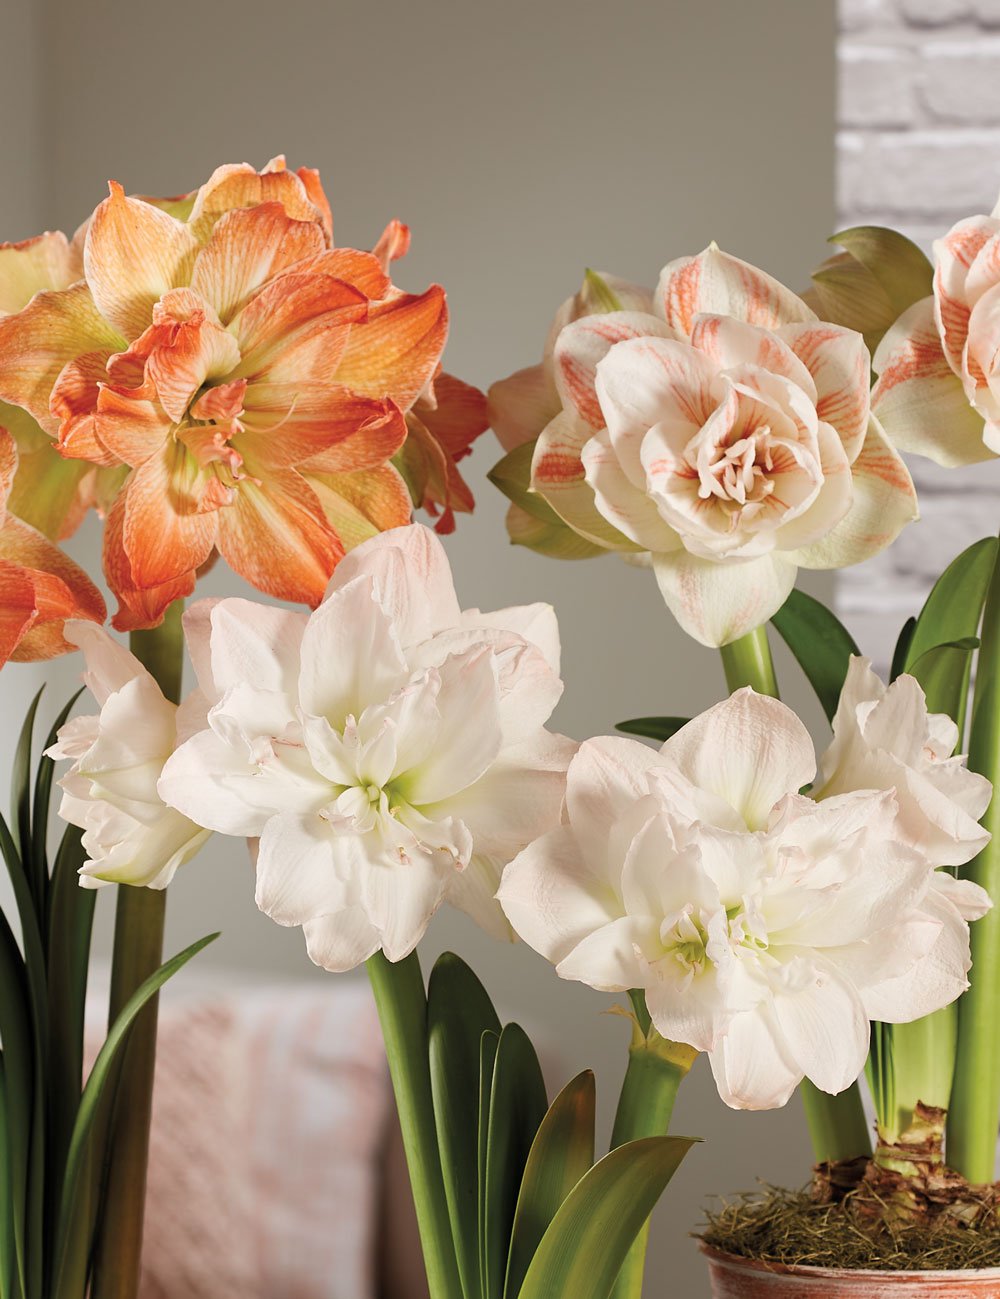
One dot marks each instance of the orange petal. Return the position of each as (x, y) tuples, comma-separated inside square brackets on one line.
[(134, 253), (363, 504), (312, 185), (167, 532), (396, 351), (131, 428), (285, 424), (8, 467), (61, 589), (136, 608), (458, 417), (373, 441), (238, 185), (36, 343), (74, 403), (362, 270), (17, 608), (393, 243), (296, 328), (26, 268), (248, 248), (274, 534)]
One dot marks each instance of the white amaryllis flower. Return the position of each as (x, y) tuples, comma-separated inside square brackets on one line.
[(938, 391), (389, 750), (130, 835), (725, 437), (765, 928), (884, 738)]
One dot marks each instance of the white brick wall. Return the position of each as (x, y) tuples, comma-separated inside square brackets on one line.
[(918, 148)]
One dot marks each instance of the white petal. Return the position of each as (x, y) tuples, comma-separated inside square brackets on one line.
[(412, 576), (473, 891), (749, 750), (752, 1066), (110, 666), (536, 623), (824, 1027), (251, 643), (690, 1010), (624, 506), (351, 655), (302, 868), (520, 406), (341, 941), (718, 602), (606, 959), (401, 897), (606, 778), (553, 899)]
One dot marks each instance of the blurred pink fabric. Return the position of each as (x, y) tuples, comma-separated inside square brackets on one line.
[(269, 1123)]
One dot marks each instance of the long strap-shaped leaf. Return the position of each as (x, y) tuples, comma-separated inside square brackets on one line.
[(99, 1075), (586, 1243), (459, 1012), (820, 642), (15, 1031), (952, 610), (652, 728), (561, 1154)]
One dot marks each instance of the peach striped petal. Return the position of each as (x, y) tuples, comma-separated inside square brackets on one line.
[(137, 608), (360, 505), (134, 253), (840, 366), (275, 535), (396, 351), (718, 603), (714, 281), (919, 400), (732, 343), (883, 502), (522, 404), (954, 256), (584, 343), (239, 185), (47, 261), (558, 475), (247, 249), (36, 343)]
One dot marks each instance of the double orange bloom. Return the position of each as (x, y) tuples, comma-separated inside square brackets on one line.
[(229, 381)]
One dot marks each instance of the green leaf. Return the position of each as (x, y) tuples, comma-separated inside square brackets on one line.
[(20, 789), (954, 607), (488, 1046), (512, 475), (517, 1107), (586, 1243), (43, 795), (944, 673), (899, 654), (18, 1055), (554, 540), (653, 728), (561, 1154), (93, 1091), (459, 1012), (901, 269), (820, 642)]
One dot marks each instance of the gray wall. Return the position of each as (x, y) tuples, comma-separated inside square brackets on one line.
[(522, 142)]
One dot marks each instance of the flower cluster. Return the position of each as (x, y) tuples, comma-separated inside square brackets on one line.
[(766, 928), (718, 431), (219, 377)]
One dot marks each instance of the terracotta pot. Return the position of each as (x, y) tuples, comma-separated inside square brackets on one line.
[(740, 1278)]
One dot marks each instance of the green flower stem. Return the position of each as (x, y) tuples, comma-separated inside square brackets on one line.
[(138, 951), (656, 1069), (975, 1097), (402, 1008), (837, 1126)]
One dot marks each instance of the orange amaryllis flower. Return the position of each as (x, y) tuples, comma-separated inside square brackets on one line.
[(40, 587), (51, 493), (252, 379)]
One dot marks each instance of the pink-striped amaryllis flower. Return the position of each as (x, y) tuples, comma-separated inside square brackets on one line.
[(389, 750), (726, 438), (130, 836), (938, 389), (765, 929), (40, 587), (252, 379)]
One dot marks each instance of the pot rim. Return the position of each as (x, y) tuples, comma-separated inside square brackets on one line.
[(741, 1263)]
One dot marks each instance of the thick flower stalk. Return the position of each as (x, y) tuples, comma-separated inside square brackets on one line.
[(764, 928), (388, 750), (250, 380), (724, 437), (937, 391), (130, 835), (40, 587)]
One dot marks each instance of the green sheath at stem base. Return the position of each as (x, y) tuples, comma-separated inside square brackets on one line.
[(402, 1010), (656, 1069), (138, 951), (837, 1126)]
